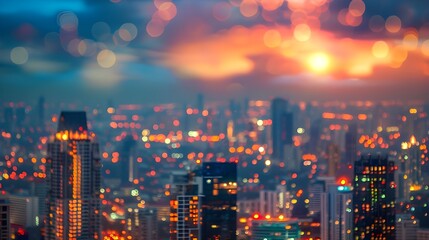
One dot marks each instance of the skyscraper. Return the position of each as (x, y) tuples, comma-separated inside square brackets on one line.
[(336, 216), (374, 198), (219, 201), (73, 202), (334, 156), (282, 127), (185, 218), (351, 144)]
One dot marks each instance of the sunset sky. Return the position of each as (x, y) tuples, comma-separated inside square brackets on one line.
[(161, 50)]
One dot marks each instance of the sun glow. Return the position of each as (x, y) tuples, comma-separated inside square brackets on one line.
[(319, 62)]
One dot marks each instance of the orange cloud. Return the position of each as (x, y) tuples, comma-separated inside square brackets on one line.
[(239, 50)]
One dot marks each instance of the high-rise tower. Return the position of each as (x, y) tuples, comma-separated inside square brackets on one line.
[(219, 201), (73, 202), (374, 198), (282, 127), (336, 213)]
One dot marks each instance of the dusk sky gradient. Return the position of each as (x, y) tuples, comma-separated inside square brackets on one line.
[(162, 50)]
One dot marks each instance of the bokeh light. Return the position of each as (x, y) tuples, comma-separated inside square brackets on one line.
[(19, 55), (249, 8), (302, 32), (106, 58), (380, 49)]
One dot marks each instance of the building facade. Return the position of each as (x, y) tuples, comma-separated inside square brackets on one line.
[(219, 201), (374, 198), (73, 202), (336, 217)]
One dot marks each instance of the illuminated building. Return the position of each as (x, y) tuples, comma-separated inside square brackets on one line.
[(4, 219), (411, 167), (406, 227), (142, 224), (374, 198), (419, 206), (276, 202), (74, 181), (282, 127), (185, 208), (336, 217), (275, 228), (219, 201)]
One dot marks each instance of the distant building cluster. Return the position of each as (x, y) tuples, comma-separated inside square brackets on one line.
[(254, 170)]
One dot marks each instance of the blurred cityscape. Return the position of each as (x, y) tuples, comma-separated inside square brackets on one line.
[(297, 170), (214, 120)]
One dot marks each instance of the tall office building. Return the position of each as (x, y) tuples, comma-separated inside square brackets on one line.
[(142, 224), (374, 198), (336, 217), (185, 207), (351, 144), (334, 156), (275, 202), (4, 219), (73, 203), (282, 127), (316, 188), (219, 201)]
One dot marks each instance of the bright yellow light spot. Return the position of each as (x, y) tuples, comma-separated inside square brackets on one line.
[(19, 55), (302, 32), (413, 110), (294, 201), (64, 136), (267, 162), (319, 62), (106, 58), (272, 38), (393, 24), (380, 49)]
